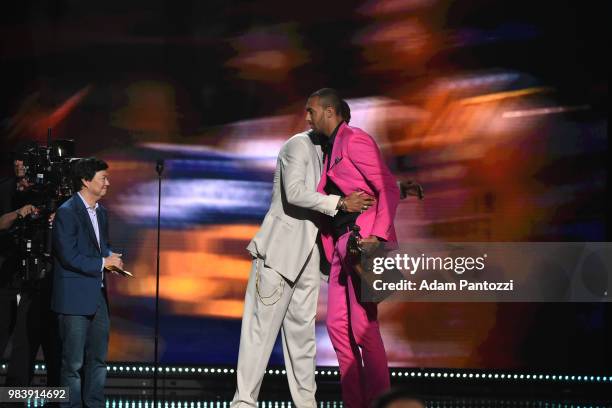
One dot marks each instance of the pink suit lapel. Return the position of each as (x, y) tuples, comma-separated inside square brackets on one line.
[(335, 155)]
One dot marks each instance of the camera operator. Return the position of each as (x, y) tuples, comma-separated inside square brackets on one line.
[(24, 305)]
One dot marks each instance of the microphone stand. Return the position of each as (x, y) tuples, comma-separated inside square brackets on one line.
[(159, 168)]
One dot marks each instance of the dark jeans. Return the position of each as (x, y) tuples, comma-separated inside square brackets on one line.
[(84, 347)]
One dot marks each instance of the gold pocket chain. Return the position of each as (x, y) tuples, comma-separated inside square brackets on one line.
[(264, 298)]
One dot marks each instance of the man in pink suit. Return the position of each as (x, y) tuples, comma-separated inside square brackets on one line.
[(353, 163)]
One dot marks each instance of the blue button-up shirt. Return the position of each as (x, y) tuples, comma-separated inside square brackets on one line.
[(91, 211)]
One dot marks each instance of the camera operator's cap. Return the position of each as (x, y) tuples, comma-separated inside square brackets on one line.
[(22, 148)]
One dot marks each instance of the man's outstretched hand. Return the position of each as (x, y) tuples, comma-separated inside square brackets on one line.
[(410, 188)]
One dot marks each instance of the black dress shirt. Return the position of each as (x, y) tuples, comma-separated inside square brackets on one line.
[(343, 221)]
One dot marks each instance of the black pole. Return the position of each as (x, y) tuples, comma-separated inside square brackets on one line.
[(159, 168)]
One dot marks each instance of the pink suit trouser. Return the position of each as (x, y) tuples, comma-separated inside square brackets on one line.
[(355, 334)]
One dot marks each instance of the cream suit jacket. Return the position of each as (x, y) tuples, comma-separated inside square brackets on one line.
[(289, 230)]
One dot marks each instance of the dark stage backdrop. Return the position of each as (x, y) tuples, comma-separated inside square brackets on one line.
[(498, 108)]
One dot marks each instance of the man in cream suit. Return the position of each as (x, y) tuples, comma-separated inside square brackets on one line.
[(283, 285)]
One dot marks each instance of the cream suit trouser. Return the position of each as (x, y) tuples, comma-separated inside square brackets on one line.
[(272, 303)]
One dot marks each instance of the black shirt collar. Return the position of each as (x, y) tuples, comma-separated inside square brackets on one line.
[(327, 147), (332, 137)]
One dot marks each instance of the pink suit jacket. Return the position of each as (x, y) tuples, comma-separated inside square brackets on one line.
[(357, 165)]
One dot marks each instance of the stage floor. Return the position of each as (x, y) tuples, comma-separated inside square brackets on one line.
[(131, 385), (431, 402)]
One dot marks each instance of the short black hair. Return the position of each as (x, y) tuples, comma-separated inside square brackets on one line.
[(397, 394), (86, 169), (331, 97)]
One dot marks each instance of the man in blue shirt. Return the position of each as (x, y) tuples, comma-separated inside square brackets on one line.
[(81, 253)]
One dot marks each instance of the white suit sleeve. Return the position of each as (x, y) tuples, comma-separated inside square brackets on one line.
[(293, 160)]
